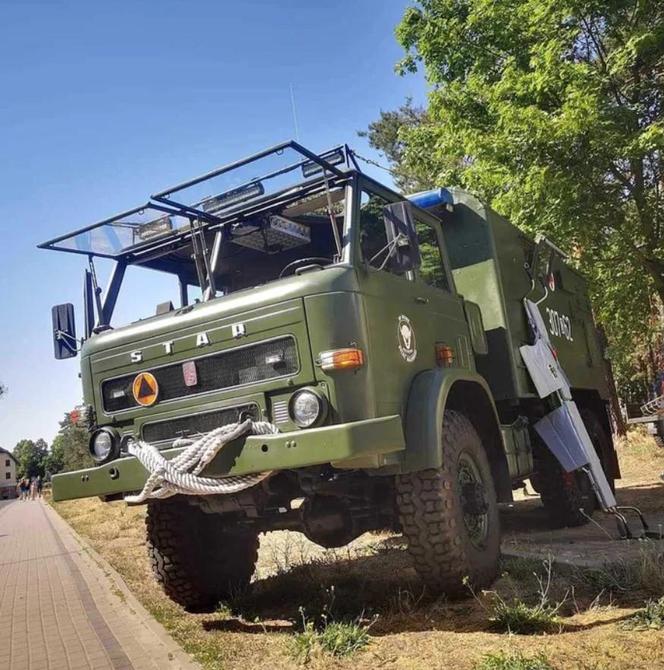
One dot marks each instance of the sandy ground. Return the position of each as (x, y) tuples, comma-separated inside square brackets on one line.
[(372, 581)]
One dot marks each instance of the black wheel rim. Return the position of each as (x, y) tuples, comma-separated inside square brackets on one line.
[(474, 503)]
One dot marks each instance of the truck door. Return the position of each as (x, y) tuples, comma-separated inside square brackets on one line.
[(407, 313)]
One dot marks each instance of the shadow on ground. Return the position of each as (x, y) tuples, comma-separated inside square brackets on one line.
[(381, 586)]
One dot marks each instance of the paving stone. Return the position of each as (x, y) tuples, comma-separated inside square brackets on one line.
[(59, 608)]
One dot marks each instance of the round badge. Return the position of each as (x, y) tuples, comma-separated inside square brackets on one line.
[(145, 389), (406, 339)]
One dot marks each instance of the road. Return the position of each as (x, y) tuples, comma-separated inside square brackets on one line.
[(63, 608)]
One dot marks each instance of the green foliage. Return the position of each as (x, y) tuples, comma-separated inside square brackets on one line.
[(651, 617), (70, 446), (516, 661), (338, 638), (69, 451), (385, 134), (553, 112), (516, 616), (30, 457)]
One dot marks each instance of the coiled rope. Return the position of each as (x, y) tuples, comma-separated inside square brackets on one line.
[(181, 474)]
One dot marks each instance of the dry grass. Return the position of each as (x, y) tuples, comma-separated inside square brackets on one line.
[(375, 589)]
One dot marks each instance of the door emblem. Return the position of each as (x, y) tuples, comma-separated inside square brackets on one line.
[(406, 339), (145, 389)]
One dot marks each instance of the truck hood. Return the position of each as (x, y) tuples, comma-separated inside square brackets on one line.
[(149, 330)]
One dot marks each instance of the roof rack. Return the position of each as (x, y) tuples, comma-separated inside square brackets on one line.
[(167, 217)]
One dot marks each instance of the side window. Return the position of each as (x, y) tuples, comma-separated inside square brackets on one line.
[(432, 269), (373, 240)]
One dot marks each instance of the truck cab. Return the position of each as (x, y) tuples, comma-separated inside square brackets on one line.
[(323, 303)]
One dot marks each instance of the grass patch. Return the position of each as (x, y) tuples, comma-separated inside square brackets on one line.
[(338, 638), (651, 617), (515, 615), (515, 661), (646, 574), (518, 617)]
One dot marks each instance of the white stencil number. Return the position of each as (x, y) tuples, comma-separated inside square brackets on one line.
[(560, 325)]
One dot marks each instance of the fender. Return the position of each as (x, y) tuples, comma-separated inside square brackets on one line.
[(434, 391)]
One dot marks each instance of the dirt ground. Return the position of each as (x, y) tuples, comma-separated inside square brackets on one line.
[(371, 581)]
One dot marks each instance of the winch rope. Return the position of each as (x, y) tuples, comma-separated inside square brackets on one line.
[(182, 473)]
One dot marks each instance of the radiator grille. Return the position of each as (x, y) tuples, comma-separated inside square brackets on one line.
[(236, 367), (191, 426)]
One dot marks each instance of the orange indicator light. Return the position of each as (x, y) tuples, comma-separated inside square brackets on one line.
[(342, 359)]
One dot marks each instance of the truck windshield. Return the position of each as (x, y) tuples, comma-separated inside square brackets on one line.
[(279, 242)]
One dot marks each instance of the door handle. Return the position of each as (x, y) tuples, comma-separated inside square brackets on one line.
[(422, 301)]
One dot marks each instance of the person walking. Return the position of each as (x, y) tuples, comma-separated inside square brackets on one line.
[(24, 486), (33, 488), (40, 485)]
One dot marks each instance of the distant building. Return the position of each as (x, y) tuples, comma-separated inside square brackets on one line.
[(8, 466)]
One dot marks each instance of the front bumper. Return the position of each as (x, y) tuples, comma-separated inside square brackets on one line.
[(360, 444)]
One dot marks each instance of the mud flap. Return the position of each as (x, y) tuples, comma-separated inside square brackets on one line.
[(562, 430)]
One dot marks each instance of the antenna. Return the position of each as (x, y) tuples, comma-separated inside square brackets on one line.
[(292, 99)]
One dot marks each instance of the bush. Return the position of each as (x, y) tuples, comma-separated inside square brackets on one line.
[(515, 616), (651, 617)]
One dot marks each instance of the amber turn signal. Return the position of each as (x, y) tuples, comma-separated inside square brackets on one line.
[(444, 355), (341, 359)]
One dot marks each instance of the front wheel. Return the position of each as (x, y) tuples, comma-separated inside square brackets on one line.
[(195, 557), (449, 515)]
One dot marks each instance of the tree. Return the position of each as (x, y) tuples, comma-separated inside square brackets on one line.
[(69, 450), (553, 112), (30, 457), (386, 134)]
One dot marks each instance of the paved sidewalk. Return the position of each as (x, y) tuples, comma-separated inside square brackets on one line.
[(63, 608)]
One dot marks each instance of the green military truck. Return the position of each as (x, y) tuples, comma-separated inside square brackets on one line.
[(356, 356)]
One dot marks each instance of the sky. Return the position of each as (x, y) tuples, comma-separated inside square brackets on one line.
[(102, 104)]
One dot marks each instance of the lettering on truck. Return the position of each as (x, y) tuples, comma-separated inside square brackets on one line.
[(560, 325)]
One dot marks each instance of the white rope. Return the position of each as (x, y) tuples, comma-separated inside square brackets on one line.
[(181, 474)]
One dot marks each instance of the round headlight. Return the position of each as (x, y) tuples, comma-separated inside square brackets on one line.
[(102, 444), (307, 408)]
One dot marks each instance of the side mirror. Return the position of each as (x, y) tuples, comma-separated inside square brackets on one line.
[(64, 331), (401, 236)]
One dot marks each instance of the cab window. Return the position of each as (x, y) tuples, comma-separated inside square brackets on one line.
[(373, 240), (432, 268)]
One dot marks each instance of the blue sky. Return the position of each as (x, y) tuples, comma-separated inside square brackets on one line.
[(105, 103)]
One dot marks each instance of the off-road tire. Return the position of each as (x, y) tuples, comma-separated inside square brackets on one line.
[(196, 559), (430, 509), (565, 494)]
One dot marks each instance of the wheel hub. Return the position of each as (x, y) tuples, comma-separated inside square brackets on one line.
[(473, 499)]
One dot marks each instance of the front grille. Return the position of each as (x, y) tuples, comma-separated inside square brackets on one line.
[(235, 367), (191, 426)]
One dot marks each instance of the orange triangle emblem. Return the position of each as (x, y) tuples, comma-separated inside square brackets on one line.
[(145, 389)]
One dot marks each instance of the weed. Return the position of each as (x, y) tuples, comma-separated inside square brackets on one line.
[(651, 617), (517, 661), (517, 616), (338, 638), (646, 574)]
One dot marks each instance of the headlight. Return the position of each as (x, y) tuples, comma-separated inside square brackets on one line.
[(103, 444), (307, 408)]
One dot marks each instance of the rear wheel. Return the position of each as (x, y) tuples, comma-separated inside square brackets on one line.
[(449, 515), (568, 497), (196, 559)]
